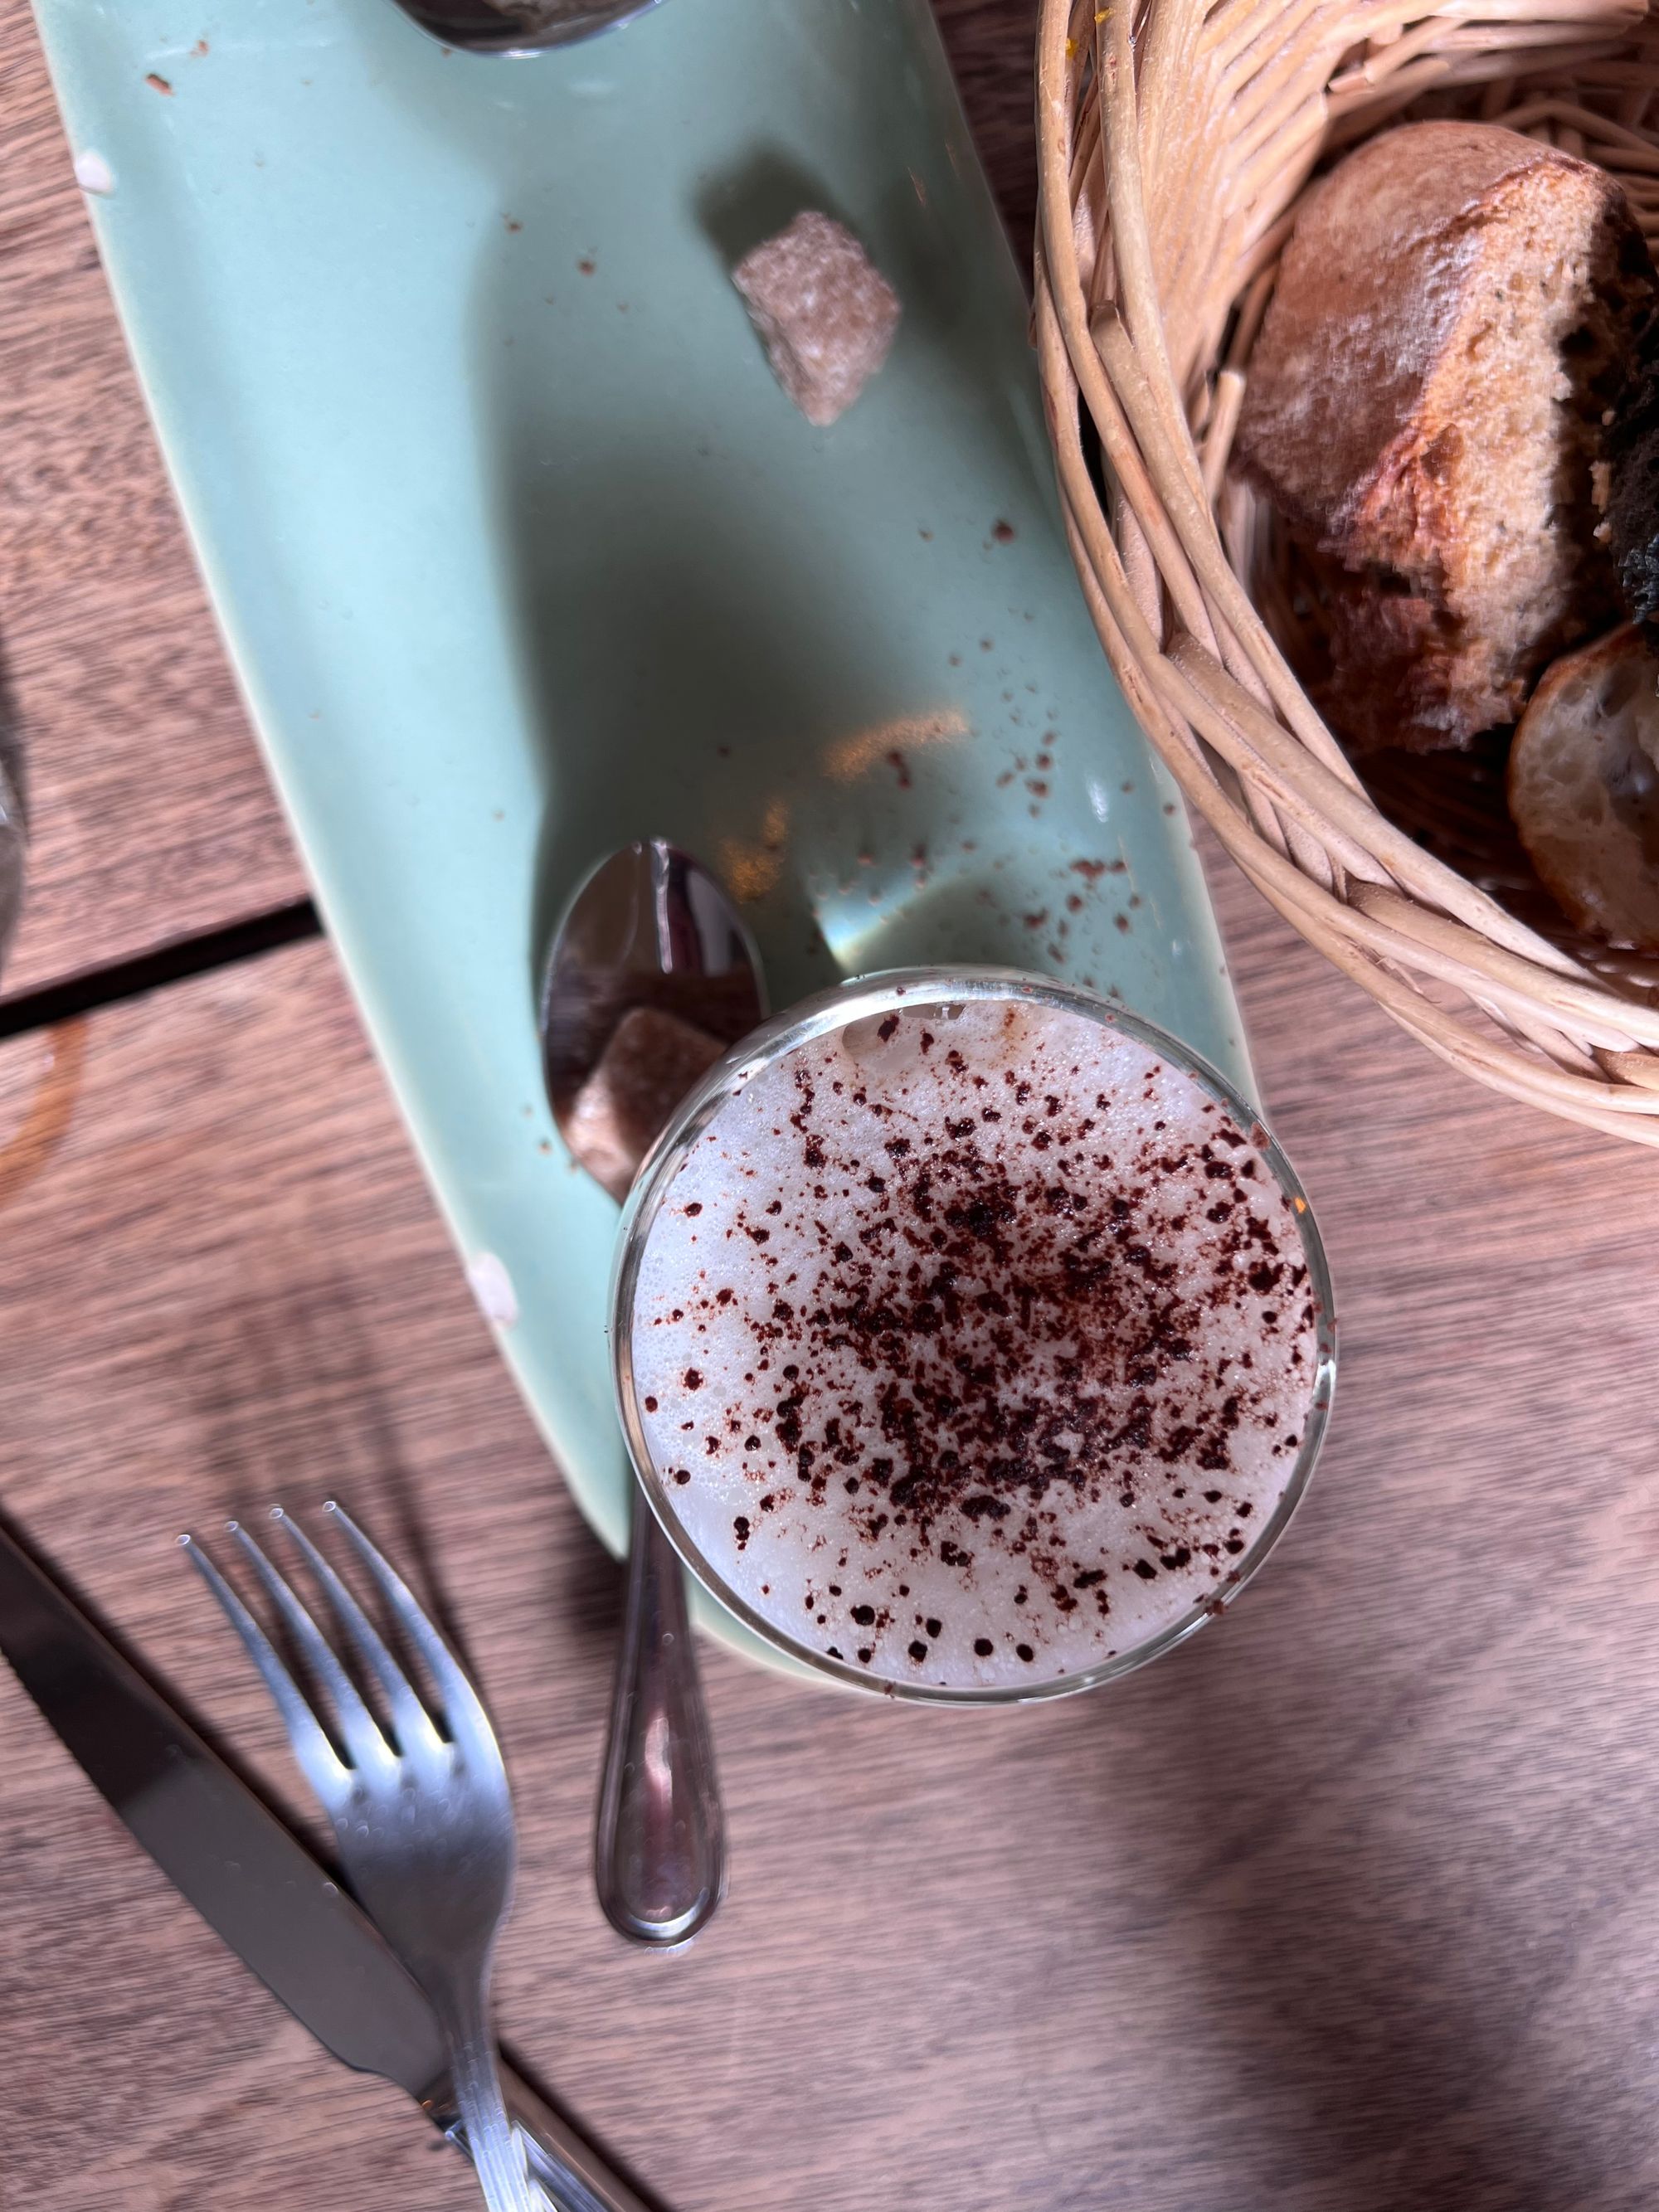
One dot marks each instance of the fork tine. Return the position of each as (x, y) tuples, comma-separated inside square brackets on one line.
[(463, 1710), (364, 1743), (410, 1717), (319, 1761)]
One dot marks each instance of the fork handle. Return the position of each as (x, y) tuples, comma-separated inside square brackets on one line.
[(569, 2172), (497, 2153), (659, 1843)]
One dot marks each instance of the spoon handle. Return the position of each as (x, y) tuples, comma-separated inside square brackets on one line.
[(660, 1846)]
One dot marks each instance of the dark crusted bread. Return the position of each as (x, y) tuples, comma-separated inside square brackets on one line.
[(1583, 788), (1632, 453), (1424, 406)]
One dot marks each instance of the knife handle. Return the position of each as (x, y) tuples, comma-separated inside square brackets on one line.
[(569, 2172)]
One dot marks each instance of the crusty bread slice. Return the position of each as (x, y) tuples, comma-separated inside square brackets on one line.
[(1423, 407), (1583, 788)]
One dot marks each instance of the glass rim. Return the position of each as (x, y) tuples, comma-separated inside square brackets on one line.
[(838, 1008)]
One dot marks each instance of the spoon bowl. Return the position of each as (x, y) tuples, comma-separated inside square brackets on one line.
[(651, 977), (520, 26)]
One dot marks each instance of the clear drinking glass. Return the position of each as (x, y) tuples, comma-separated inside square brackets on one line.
[(911, 991)]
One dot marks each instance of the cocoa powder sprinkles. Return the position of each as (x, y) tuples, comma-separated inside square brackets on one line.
[(997, 1335)]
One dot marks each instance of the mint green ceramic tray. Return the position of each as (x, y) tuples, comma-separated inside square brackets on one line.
[(519, 552)]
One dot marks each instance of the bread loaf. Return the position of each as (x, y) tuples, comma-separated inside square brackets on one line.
[(1424, 405), (1583, 788)]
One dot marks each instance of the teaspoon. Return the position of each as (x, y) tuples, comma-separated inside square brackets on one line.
[(652, 976)]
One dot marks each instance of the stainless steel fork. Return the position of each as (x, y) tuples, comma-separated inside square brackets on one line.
[(420, 1810)]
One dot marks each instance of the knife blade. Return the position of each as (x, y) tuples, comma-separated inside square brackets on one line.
[(253, 1881)]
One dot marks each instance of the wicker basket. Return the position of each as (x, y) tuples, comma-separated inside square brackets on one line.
[(1175, 138)]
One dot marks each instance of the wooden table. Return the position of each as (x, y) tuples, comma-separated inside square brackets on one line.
[(1352, 1905)]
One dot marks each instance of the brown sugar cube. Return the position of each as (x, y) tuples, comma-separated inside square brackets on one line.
[(824, 312), (651, 1061)]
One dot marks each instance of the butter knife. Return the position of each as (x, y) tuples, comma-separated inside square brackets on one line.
[(254, 1883)]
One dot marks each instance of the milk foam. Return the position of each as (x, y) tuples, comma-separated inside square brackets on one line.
[(974, 1345)]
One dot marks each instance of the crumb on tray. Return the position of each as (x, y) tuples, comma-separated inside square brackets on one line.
[(492, 1286)]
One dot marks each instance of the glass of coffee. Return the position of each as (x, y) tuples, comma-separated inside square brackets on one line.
[(972, 1339)]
